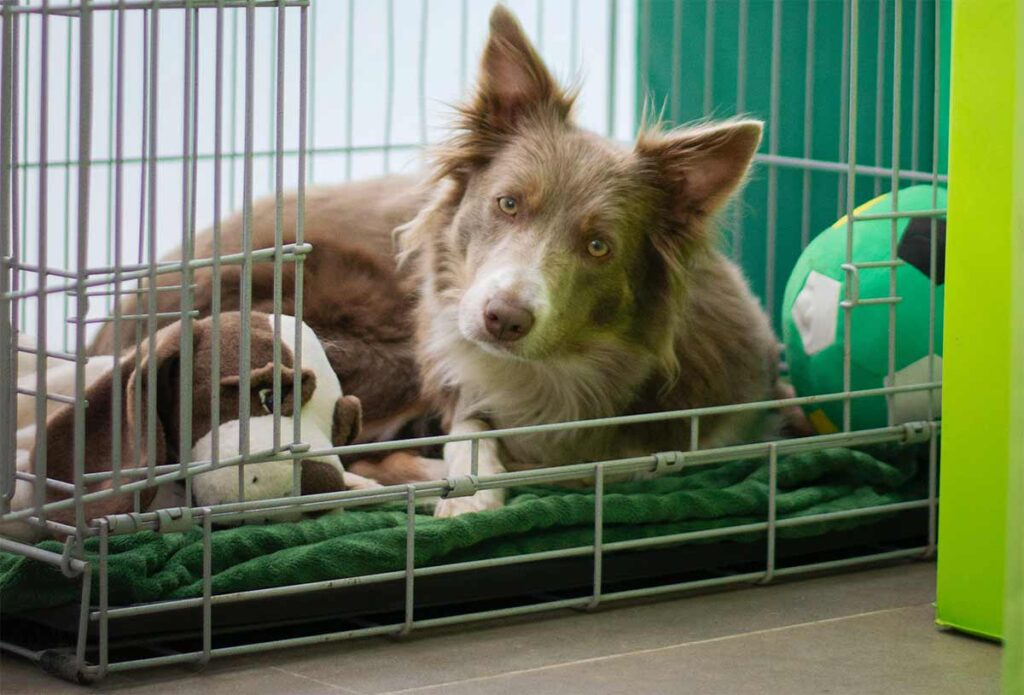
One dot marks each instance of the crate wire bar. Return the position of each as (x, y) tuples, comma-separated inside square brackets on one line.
[(113, 177)]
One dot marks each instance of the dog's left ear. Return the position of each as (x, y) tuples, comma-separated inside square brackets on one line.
[(699, 168), (348, 420)]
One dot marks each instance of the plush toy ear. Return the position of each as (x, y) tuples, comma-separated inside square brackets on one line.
[(320, 476), (348, 420), (132, 408), (156, 382)]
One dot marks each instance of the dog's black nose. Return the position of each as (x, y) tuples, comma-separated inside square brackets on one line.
[(506, 321)]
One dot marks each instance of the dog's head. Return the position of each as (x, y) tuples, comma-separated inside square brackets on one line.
[(546, 241), (149, 381)]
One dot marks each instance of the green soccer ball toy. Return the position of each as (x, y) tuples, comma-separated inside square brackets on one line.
[(812, 318)]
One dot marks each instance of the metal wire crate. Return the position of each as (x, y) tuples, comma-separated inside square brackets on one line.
[(129, 125)]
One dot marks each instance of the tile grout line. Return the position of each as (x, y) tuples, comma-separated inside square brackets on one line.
[(653, 650), (339, 688)]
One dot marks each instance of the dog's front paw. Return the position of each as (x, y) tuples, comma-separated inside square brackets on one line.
[(448, 507)]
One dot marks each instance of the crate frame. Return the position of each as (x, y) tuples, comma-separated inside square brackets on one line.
[(80, 282)]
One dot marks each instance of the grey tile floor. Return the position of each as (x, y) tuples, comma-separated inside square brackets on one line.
[(865, 632)]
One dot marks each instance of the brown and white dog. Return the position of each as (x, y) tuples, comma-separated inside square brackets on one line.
[(563, 277), (547, 274)]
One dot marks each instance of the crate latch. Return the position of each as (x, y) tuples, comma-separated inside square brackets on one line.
[(462, 486), (916, 432), (176, 520), (669, 462)]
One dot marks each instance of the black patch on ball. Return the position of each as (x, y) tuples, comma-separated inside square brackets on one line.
[(915, 247)]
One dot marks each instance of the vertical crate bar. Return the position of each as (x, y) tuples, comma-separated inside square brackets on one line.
[(8, 346), (773, 491), (39, 491), (151, 230), (278, 171), (851, 194), (187, 241), (613, 54), (389, 77), (771, 213), (844, 110), (805, 193), (410, 560), (117, 230), (245, 279), (595, 594), (349, 83), (897, 113), (300, 220), (84, 169), (104, 598)]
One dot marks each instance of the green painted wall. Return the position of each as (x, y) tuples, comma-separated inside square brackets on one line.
[(981, 318)]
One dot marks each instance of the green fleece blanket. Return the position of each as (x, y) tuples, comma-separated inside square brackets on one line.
[(149, 566)]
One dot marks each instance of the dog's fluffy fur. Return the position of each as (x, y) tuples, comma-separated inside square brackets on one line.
[(655, 319)]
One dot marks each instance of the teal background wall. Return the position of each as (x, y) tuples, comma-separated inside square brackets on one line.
[(685, 82)]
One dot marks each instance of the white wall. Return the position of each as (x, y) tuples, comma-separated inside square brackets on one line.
[(455, 31)]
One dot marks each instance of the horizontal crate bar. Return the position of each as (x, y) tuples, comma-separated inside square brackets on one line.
[(54, 354), (434, 488), (898, 215), (852, 303), (581, 602), (207, 156), (862, 265), (50, 558), (842, 168), (852, 561), (133, 290), (48, 396), (75, 10), (49, 482), (135, 317), (290, 252), (162, 267), (198, 467), (20, 651), (45, 270), (579, 551)]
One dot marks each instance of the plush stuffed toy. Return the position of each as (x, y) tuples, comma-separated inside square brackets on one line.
[(327, 418)]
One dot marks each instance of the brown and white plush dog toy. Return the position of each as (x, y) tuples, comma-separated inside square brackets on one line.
[(327, 417)]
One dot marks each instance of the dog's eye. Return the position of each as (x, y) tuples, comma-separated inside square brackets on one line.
[(508, 205), (598, 248), (267, 399)]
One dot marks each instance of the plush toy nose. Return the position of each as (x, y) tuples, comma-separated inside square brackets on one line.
[(319, 477), (507, 321)]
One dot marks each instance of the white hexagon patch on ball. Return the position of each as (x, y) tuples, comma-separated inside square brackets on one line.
[(816, 311), (912, 406)]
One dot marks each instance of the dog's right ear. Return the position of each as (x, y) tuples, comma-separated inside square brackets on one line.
[(513, 79), (513, 85)]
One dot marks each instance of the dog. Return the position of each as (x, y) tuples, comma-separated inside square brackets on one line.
[(122, 393), (538, 273), (563, 277)]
